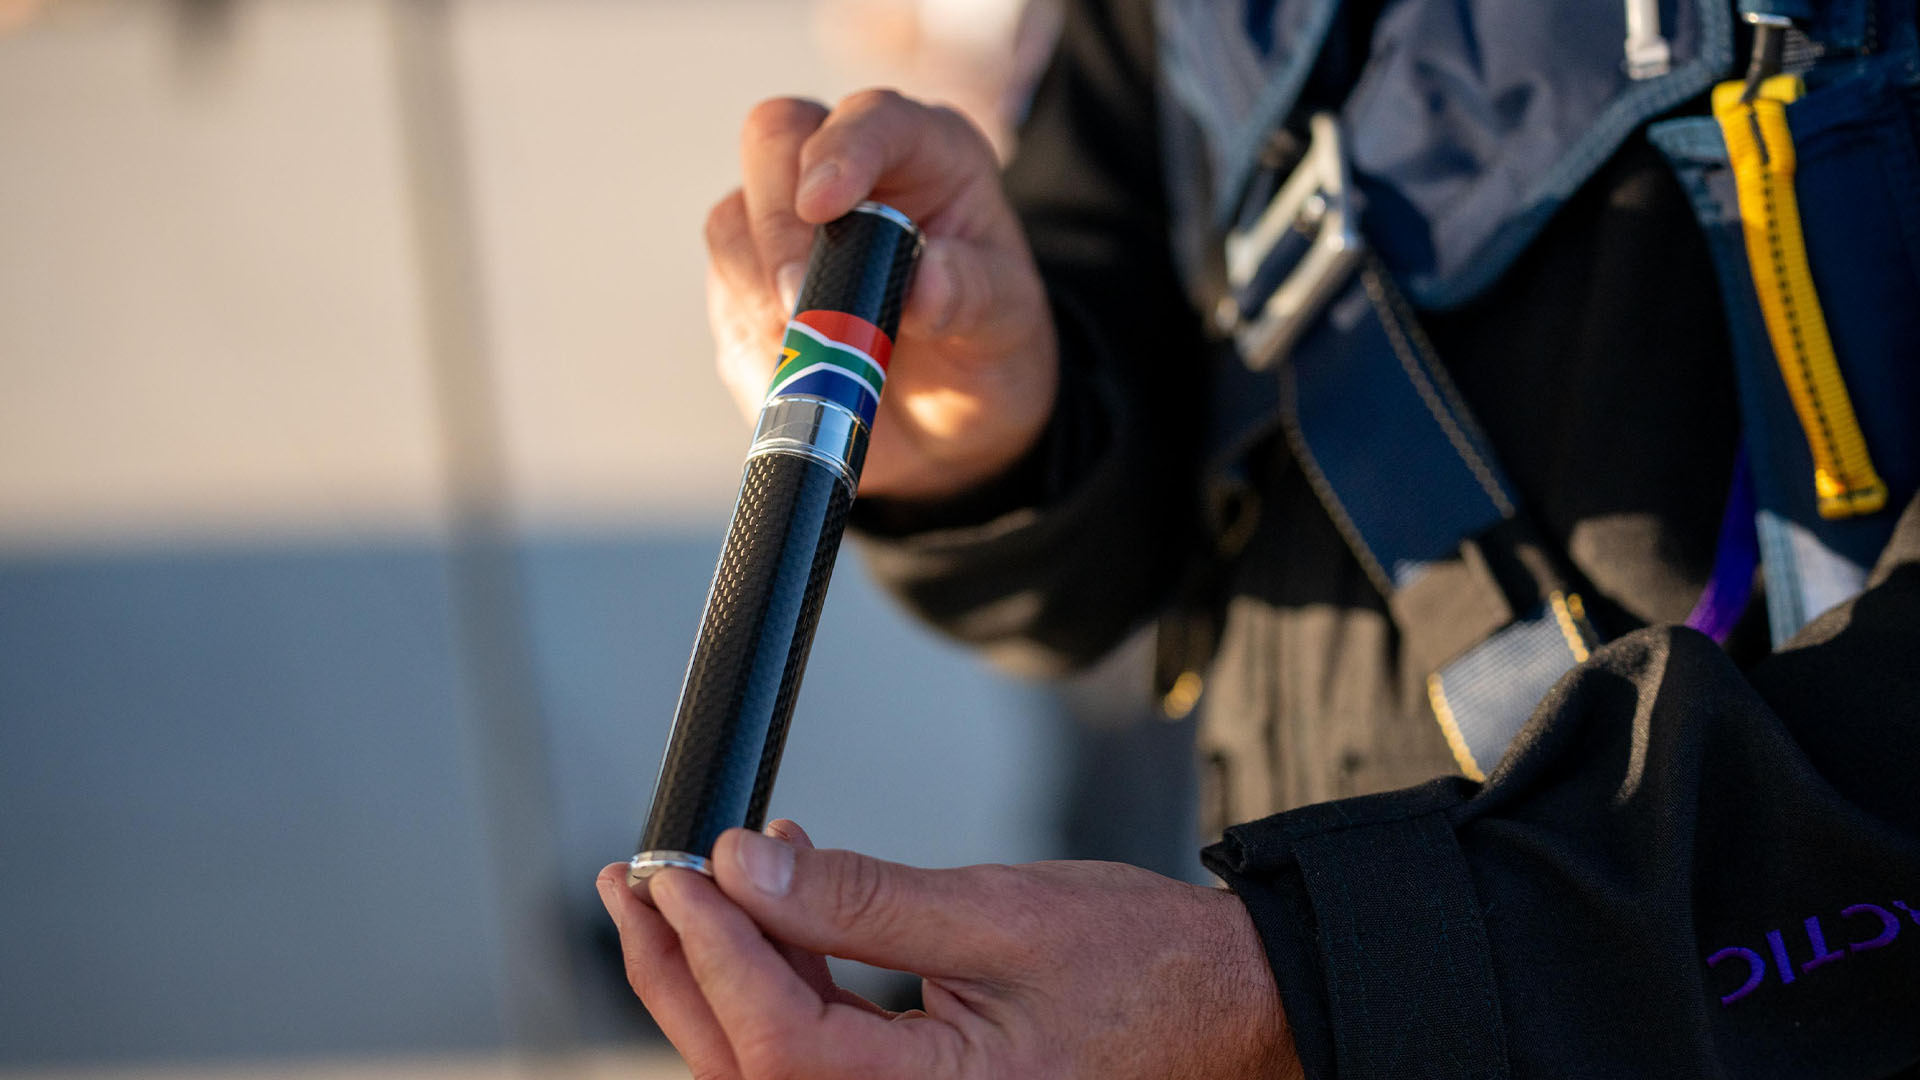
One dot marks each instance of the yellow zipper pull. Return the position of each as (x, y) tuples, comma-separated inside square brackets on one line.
[(1760, 147)]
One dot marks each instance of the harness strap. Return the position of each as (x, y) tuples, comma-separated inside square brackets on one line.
[(1760, 149), (1471, 121), (1412, 484)]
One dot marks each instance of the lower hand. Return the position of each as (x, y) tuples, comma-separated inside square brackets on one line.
[(1063, 969)]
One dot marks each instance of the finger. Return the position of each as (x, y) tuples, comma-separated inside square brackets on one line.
[(731, 253), (961, 286), (790, 831), (811, 966), (741, 308), (770, 143), (773, 1022), (657, 970), (962, 923), (879, 144)]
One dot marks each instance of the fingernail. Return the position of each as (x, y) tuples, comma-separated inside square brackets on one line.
[(767, 862), (787, 280), (816, 178)]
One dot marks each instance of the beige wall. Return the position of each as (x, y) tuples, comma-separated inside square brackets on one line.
[(207, 313), (210, 316)]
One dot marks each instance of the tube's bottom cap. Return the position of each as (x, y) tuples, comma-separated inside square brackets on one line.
[(648, 863)]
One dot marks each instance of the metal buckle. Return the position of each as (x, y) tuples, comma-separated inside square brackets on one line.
[(1648, 54), (1288, 264)]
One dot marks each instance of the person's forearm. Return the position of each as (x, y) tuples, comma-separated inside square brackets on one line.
[(1054, 561)]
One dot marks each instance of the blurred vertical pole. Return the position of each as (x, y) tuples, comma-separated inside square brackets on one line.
[(490, 609), (203, 30)]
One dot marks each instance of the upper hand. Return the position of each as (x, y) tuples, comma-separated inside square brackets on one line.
[(975, 369), (1046, 970)]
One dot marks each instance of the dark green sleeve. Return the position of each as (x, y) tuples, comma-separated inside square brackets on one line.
[(1052, 564)]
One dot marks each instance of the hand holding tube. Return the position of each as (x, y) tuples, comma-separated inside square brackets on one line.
[(1050, 969), (800, 479), (982, 376)]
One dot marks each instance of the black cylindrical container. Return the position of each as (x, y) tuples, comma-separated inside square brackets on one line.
[(801, 476)]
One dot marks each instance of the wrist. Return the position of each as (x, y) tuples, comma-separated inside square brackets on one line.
[(1254, 1037)]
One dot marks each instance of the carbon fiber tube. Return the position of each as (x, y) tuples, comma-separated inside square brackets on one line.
[(801, 475)]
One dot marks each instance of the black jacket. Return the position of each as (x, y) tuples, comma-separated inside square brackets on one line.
[(1584, 912)]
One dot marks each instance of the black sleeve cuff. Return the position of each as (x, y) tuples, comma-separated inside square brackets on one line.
[(1374, 931)]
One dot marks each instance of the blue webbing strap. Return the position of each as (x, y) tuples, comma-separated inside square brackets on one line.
[(1410, 480)]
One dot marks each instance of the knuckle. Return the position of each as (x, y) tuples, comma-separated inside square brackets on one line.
[(1011, 909), (764, 1054), (726, 221), (781, 117), (953, 119), (637, 978), (640, 969), (949, 1054), (874, 99), (962, 128), (862, 894)]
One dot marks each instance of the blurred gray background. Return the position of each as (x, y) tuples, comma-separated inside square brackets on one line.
[(362, 471)]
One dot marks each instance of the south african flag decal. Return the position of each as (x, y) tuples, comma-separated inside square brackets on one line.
[(836, 356)]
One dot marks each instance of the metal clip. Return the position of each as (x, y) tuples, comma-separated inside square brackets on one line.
[(1770, 35), (1648, 55), (1288, 265)]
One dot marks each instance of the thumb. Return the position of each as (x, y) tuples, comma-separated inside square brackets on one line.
[(929, 922)]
